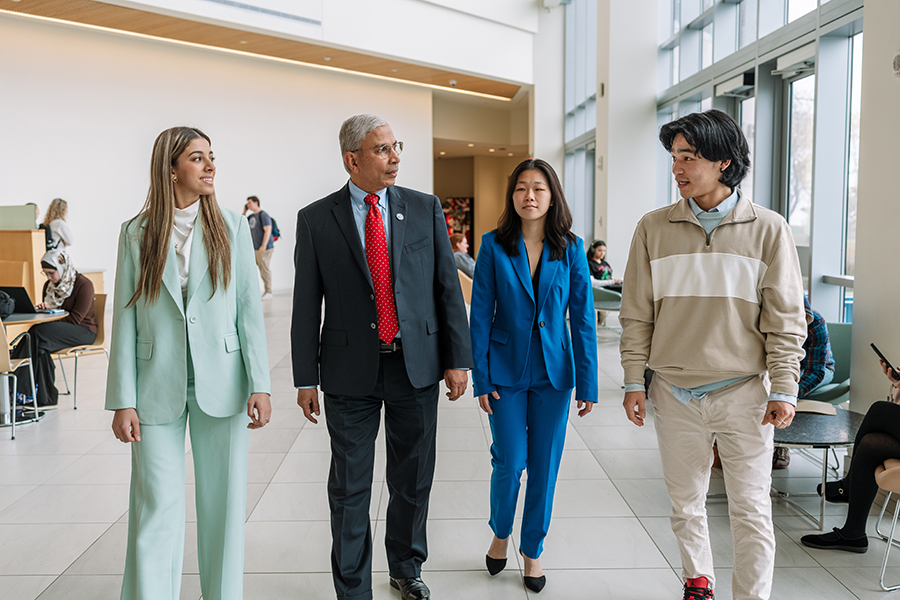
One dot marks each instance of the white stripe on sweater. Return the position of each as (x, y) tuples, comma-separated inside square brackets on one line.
[(707, 275)]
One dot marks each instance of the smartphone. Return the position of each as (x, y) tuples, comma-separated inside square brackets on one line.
[(886, 361)]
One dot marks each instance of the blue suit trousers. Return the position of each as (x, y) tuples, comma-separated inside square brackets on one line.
[(529, 431)]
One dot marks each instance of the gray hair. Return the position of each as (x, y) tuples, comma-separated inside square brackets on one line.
[(354, 130)]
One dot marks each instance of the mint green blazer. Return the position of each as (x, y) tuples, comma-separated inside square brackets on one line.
[(148, 352)]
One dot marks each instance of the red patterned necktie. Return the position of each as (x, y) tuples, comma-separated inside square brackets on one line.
[(380, 267)]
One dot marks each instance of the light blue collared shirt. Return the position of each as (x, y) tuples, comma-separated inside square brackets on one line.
[(709, 220), (361, 211)]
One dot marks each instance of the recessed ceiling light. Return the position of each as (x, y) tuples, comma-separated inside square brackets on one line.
[(442, 153), (393, 70), (490, 149), (327, 58), (471, 145), (242, 41), (510, 154)]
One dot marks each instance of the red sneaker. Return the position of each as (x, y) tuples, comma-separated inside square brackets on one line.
[(698, 589)]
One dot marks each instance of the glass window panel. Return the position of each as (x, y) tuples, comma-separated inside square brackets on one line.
[(706, 104), (676, 16), (747, 23), (800, 155), (798, 8), (853, 162), (748, 126), (706, 47), (675, 65)]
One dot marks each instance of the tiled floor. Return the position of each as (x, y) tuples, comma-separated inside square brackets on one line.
[(64, 496)]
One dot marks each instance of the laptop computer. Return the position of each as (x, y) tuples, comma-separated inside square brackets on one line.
[(21, 298)]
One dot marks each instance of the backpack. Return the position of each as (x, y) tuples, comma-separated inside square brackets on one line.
[(276, 233), (48, 237)]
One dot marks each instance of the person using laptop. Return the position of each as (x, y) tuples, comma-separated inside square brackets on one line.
[(64, 289)]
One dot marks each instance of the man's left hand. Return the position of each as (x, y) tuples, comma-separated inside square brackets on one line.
[(456, 380), (779, 414)]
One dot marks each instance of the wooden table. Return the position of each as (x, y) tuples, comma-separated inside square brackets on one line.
[(15, 324)]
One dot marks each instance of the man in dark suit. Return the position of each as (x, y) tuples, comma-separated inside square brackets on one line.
[(394, 326)]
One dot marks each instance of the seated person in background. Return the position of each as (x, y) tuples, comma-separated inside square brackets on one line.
[(601, 271), (464, 262), (73, 292), (877, 440), (816, 368), (55, 221)]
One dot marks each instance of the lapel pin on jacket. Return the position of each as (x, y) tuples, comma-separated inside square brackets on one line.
[(399, 216)]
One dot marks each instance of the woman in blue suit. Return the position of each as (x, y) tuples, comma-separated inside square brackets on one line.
[(188, 352), (531, 270)]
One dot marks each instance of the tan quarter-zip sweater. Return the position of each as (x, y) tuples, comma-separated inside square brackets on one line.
[(701, 308)]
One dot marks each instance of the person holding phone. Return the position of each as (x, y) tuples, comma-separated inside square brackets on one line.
[(531, 272), (877, 440), (188, 351)]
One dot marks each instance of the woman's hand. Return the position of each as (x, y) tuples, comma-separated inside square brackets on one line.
[(485, 403), (259, 409), (126, 425), (887, 373), (617, 281), (41, 306), (584, 407)]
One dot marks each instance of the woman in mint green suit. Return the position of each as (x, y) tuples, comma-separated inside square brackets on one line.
[(188, 351)]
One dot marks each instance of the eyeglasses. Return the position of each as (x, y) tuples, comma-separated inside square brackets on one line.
[(384, 150), (49, 274)]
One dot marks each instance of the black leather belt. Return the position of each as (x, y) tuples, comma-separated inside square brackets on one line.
[(388, 348)]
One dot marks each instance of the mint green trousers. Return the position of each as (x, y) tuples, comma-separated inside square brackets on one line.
[(155, 552)]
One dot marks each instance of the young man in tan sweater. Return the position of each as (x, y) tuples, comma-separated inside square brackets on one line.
[(713, 303)]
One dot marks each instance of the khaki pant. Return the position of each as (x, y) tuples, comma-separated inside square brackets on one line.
[(732, 417), (262, 261)]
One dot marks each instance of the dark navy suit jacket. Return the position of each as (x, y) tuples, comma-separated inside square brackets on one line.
[(330, 265), (503, 312)]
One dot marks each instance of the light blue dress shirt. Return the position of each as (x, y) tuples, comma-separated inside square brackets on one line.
[(361, 211)]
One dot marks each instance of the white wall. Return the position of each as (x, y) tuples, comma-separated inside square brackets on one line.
[(547, 107), (81, 108), (876, 311), (492, 39), (626, 122)]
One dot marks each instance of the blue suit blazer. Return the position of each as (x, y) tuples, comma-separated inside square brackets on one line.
[(502, 317)]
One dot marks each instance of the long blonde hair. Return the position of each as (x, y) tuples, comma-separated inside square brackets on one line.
[(158, 218), (57, 210)]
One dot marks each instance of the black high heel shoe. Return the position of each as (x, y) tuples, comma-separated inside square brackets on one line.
[(494, 565), (835, 491), (535, 584)]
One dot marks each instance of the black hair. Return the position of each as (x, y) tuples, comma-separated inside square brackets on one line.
[(46, 265), (255, 199), (715, 136), (593, 248), (558, 224)]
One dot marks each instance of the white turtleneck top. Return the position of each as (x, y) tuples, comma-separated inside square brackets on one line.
[(182, 235)]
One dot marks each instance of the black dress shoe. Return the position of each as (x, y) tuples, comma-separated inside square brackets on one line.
[(835, 491), (835, 540), (411, 589), (535, 584), (494, 565)]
